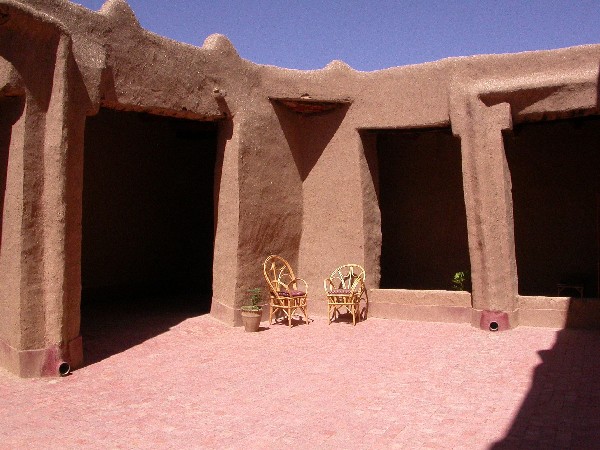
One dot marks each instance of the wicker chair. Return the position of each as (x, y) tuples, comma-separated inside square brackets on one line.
[(287, 293), (345, 288)]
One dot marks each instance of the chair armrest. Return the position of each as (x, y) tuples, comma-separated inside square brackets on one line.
[(330, 287), (295, 281), (278, 286), (358, 286)]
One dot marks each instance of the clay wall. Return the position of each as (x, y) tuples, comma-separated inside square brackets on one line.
[(310, 184)]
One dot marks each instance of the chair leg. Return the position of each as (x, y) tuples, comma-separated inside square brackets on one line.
[(289, 317)]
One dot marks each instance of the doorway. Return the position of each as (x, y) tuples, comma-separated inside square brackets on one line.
[(423, 218), (554, 169), (147, 226)]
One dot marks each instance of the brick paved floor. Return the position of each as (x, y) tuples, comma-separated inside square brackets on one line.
[(195, 383)]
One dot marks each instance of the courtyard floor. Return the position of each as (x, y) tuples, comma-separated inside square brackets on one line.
[(154, 382)]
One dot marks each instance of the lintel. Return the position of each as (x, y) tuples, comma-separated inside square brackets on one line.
[(308, 105)]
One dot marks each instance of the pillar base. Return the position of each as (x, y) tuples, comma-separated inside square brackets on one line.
[(225, 314), (494, 320), (43, 362)]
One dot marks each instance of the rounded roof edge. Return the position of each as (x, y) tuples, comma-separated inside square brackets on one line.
[(119, 11), (221, 43)]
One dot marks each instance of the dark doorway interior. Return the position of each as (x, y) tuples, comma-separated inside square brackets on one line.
[(148, 225), (555, 171), (423, 219)]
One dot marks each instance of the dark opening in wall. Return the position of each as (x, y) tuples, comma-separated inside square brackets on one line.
[(423, 220), (555, 172), (148, 216)]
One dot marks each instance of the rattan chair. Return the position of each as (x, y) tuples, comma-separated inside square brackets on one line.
[(287, 292), (345, 289)]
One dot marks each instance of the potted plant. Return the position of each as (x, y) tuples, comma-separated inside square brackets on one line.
[(461, 281), (252, 313)]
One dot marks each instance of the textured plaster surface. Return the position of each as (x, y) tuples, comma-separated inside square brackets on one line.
[(301, 185)]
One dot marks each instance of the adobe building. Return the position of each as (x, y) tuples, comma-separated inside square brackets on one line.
[(133, 163)]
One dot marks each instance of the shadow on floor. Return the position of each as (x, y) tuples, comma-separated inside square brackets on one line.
[(562, 407), (112, 325)]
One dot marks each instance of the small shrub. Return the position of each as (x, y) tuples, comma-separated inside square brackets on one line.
[(255, 300), (461, 281)]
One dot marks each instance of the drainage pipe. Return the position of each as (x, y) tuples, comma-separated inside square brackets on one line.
[(64, 368)]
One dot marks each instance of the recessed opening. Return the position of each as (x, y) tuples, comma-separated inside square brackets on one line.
[(555, 167), (148, 227), (493, 326), (423, 219)]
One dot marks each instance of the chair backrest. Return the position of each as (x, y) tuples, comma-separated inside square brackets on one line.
[(278, 273), (348, 276)]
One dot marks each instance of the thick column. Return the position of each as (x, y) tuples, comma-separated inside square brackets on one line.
[(488, 201), (13, 132), (41, 221), (21, 252), (227, 201), (61, 210)]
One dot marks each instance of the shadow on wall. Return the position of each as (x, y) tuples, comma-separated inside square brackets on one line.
[(308, 134), (562, 408)]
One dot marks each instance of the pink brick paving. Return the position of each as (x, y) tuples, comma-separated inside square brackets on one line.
[(382, 384)]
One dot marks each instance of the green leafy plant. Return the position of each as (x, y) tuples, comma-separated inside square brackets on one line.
[(255, 300), (461, 281)]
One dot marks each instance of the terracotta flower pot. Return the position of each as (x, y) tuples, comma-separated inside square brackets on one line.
[(251, 319)]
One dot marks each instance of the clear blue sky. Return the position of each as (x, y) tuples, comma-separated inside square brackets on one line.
[(371, 35)]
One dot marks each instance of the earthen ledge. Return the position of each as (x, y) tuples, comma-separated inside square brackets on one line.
[(559, 312), (421, 297), (420, 313)]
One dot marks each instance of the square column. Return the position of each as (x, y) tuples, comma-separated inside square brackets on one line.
[(41, 232), (488, 202)]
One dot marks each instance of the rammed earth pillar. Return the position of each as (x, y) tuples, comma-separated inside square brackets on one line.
[(40, 247), (61, 207), (488, 202), (227, 217)]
